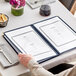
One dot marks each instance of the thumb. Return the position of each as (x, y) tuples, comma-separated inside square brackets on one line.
[(19, 54)]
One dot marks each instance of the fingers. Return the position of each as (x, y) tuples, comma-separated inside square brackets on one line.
[(20, 54), (24, 55), (24, 59)]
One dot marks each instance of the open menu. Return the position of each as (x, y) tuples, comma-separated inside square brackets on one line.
[(43, 40)]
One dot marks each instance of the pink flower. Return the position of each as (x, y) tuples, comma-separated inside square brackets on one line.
[(17, 3), (22, 2)]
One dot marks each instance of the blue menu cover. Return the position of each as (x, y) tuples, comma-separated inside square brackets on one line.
[(43, 40)]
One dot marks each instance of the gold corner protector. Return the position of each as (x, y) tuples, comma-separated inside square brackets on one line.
[(2, 33)]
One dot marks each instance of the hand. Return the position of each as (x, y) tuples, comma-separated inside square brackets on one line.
[(24, 59)]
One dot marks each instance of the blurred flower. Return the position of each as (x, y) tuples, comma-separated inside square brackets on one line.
[(17, 3)]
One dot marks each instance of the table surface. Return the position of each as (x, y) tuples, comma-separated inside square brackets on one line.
[(31, 16)]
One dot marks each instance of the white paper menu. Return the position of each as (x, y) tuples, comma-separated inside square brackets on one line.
[(57, 33), (29, 42)]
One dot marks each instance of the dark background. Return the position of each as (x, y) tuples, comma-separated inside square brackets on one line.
[(67, 3)]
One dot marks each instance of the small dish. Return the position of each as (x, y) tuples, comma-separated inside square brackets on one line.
[(3, 23)]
